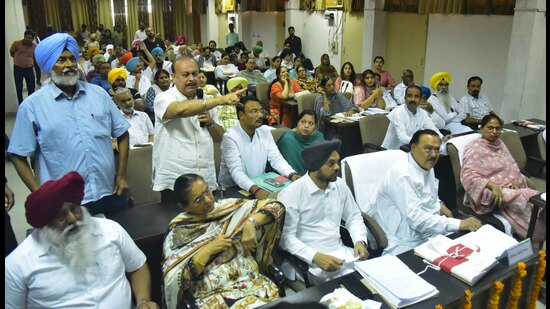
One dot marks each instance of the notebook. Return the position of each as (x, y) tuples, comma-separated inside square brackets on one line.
[(271, 182)]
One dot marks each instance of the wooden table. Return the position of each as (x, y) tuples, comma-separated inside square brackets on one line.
[(348, 132), (292, 104), (528, 137)]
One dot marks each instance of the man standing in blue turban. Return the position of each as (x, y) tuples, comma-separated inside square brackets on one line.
[(67, 125)]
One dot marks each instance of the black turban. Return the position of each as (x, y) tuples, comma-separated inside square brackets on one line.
[(317, 154)]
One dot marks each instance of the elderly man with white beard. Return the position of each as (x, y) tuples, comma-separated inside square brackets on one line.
[(445, 105), (73, 260)]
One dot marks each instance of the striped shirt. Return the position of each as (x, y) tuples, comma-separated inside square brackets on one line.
[(477, 108)]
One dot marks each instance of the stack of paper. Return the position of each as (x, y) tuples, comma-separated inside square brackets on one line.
[(468, 257), (375, 110), (397, 284)]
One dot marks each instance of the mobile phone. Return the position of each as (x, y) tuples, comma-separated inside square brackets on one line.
[(357, 288), (274, 182)]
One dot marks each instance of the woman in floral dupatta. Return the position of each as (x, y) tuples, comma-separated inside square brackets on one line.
[(492, 179), (213, 248)]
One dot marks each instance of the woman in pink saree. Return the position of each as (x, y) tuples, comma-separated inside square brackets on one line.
[(493, 181)]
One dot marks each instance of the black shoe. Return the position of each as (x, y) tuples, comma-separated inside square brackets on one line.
[(38, 83)]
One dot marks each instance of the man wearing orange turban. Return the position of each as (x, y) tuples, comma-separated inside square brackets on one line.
[(445, 105), (70, 251)]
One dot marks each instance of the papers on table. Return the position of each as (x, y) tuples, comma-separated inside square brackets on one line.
[(375, 110), (529, 124), (468, 257), (341, 298), (397, 284), (358, 116)]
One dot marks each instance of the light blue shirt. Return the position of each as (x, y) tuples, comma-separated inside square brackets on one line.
[(70, 134)]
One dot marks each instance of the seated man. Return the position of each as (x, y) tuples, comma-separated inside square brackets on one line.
[(438, 121), (475, 104), (141, 128), (72, 259), (101, 79), (399, 91), (406, 119), (445, 105), (292, 142), (247, 148), (228, 113), (117, 79), (315, 205), (406, 204), (217, 256), (252, 75)]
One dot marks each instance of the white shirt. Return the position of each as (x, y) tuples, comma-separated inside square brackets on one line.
[(403, 124), (408, 207), (181, 145), (166, 65), (312, 221), (140, 35), (35, 277), (390, 101), (477, 108), (221, 69), (243, 158), (399, 93), (452, 116), (140, 127), (143, 86)]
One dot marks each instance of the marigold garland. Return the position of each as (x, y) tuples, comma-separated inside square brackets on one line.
[(541, 269), (468, 300), (438, 306), (494, 299), (515, 291)]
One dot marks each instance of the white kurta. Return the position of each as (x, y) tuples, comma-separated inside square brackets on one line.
[(243, 158), (403, 124), (452, 117), (35, 277), (312, 224), (140, 127), (399, 93), (181, 145), (408, 207)]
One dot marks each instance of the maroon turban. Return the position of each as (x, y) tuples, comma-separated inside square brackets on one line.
[(45, 203)]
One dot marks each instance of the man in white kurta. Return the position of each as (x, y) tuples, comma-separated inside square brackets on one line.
[(407, 119), (408, 208), (247, 148), (315, 205), (182, 145)]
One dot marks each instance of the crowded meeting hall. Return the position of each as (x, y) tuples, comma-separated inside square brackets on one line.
[(275, 154)]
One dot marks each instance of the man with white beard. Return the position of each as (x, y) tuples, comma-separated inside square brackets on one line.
[(67, 125), (445, 105), (73, 260)]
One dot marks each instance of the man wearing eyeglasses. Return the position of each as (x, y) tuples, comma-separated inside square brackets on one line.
[(247, 148), (407, 205)]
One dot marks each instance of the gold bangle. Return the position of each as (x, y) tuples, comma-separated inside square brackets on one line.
[(142, 302)]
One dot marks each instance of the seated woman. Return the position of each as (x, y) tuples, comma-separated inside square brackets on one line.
[(493, 181), (270, 74), (208, 247), (298, 61), (386, 80), (283, 88), (329, 102), (367, 93), (161, 83), (292, 142), (347, 73), (305, 79), (325, 69)]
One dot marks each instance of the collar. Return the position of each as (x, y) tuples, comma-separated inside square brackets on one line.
[(126, 116), (43, 247), (311, 187), (415, 165), (58, 93)]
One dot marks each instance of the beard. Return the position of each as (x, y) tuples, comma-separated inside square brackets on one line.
[(64, 80), (445, 99), (75, 245)]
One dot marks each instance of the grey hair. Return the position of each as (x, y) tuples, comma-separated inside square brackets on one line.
[(120, 91)]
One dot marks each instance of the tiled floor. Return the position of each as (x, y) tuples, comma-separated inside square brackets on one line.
[(17, 213)]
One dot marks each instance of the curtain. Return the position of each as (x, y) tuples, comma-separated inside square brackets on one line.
[(349, 5), (180, 18), (120, 18), (143, 15), (104, 15), (133, 23), (159, 8), (80, 14), (52, 14), (38, 21), (264, 6)]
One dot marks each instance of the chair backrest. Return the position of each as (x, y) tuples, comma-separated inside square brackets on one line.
[(373, 129), (139, 174), (276, 133), (261, 93), (455, 150), (217, 157), (513, 143), (306, 101)]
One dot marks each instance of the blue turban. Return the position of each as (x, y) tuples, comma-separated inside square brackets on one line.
[(157, 51), (132, 64), (425, 91), (48, 51)]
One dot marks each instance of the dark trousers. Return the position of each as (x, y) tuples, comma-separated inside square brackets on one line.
[(37, 72), (10, 240), (108, 204), (18, 75)]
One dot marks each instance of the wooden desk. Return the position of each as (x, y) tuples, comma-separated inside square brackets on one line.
[(348, 132), (451, 290), (528, 137), (293, 105)]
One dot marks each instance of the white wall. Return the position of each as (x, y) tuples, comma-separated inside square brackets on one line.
[(468, 45), (262, 26)]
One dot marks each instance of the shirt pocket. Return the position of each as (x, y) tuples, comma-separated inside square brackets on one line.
[(101, 126)]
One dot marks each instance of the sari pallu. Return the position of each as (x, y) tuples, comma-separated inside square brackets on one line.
[(485, 162), (233, 275)]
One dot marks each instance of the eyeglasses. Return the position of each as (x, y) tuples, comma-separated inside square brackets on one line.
[(256, 112), (429, 150), (201, 198), (498, 129)]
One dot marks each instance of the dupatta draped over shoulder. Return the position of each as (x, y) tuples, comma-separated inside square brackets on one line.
[(485, 162), (233, 275)]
